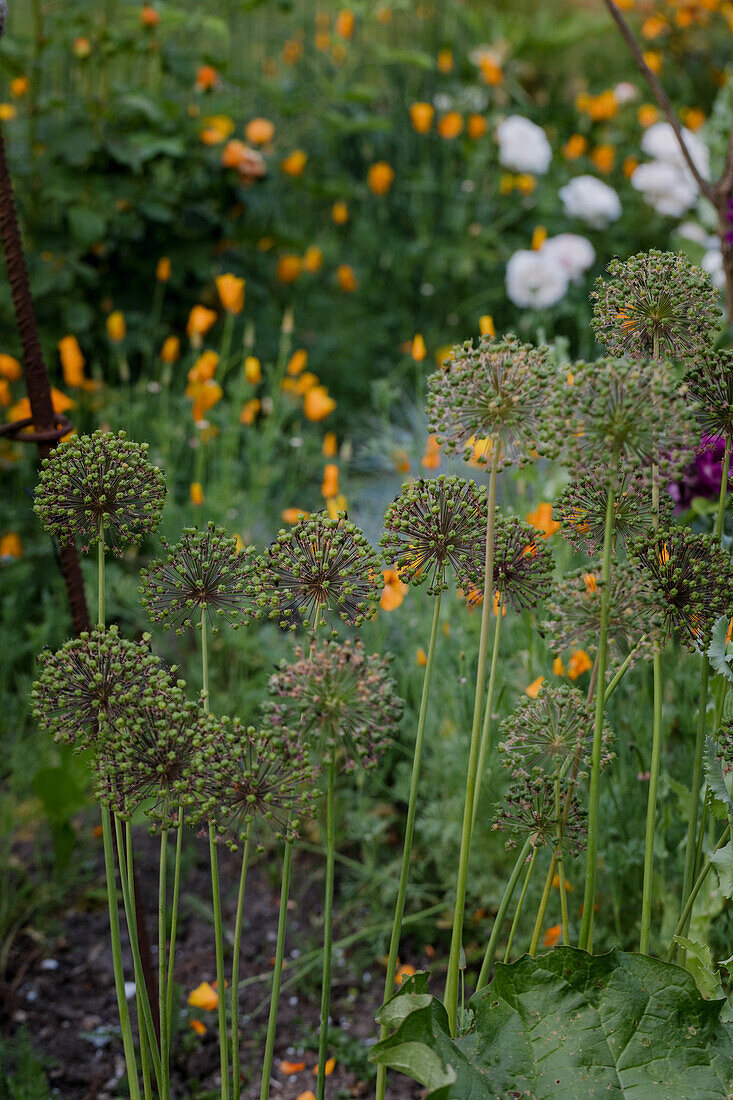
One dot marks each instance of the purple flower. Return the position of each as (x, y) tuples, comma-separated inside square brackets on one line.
[(729, 234), (702, 477)]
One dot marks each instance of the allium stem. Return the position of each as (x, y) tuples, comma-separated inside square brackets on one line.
[(589, 897), (236, 1081), (646, 898), (204, 663), (561, 868), (139, 993), (451, 988), (684, 921), (220, 980), (544, 900), (394, 945), (501, 914), (162, 978), (613, 683), (520, 903), (174, 923), (327, 929), (486, 731), (278, 972), (100, 576)]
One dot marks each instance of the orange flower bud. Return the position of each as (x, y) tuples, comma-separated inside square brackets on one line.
[(289, 268), (252, 370), (421, 117), (259, 131), (579, 663), (330, 484), (11, 546), (171, 349), (380, 177), (217, 128), (82, 48), (298, 361), (344, 25), (312, 259), (318, 404), (163, 269), (207, 78), (604, 158), (249, 411), (72, 360), (329, 447), (149, 17), (19, 86), (231, 292), (196, 496), (486, 325), (10, 368), (292, 515), (294, 165), (450, 125), (340, 213), (534, 688), (346, 278), (116, 327), (476, 126), (445, 61), (200, 320), (574, 147), (204, 995)]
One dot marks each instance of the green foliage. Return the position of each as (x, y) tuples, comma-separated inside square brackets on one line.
[(22, 1075)]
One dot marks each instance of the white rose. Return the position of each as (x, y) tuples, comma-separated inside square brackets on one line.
[(534, 280), (523, 146), (712, 262), (665, 187), (573, 253), (659, 142), (591, 200)]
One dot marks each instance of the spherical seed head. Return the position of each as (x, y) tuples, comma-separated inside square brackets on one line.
[(100, 480), (241, 777), (523, 565), (202, 573), (337, 699), (495, 391), (84, 685), (621, 416), (655, 304), (319, 569), (432, 524), (574, 612), (529, 810), (691, 579), (709, 381), (547, 735), (581, 508)]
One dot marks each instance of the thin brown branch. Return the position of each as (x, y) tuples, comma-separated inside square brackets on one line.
[(706, 188)]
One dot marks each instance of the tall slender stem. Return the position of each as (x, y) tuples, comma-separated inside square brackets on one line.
[(204, 663), (139, 993), (646, 898), (454, 961), (162, 978), (589, 897), (174, 923), (236, 1081), (561, 867), (501, 914), (684, 920), (278, 974), (327, 929), (394, 944), (486, 731), (539, 920), (520, 903), (100, 576)]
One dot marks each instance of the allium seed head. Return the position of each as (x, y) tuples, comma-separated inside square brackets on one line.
[(529, 810), (100, 479), (581, 508), (547, 735), (710, 385), (522, 565)]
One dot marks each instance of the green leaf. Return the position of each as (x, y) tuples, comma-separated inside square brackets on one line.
[(87, 226), (716, 650), (699, 962), (714, 776), (722, 862), (570, 1026)]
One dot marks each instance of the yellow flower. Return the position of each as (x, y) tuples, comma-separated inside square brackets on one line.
[(421, 117), (252, 370), (259, 131), (289, 268), (346, 278), (591, 583), (574, 147), (418, 348), (217, 128), (692, 117), (334, 505), (163, 269), (318, 404), (116, 327), (404, 971), (329, 448), (205, 395), (476, 126), (292, 515), (630, 165), (579, 663), (486, 325), (298, 361), (11, 546), (534, 688), (313, 259), (81, 48), (72, 361), (542, 519), (7, 112), (604, 158), (525, 183), (344, 25), (558, 667), (249, 411), (10, 368), (450, 125), (294, 165), (552, 935), (421, 657), (394, 590), (647, 115), (653, 26), (340, 213), (302, 383), (197, 1026), (330, 484), (6, 397), (207, 78), (445, 60), (204, 995), (539, 236), (196, 496), (491, 72), (19, 86), (599, 108), (171, 349), (380, 177), (231, 292), (204, 368), (431, 459), (200, 320)]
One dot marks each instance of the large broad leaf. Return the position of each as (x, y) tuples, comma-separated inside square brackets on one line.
[(720, 660), (715, 779), (568, 1026)]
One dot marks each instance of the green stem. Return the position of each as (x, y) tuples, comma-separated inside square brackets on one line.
[(616, 680), (520, 903), (236, 1080), (690, 847), (646, 899), (544, 900), (561, 867), (394, 945), (204, 663), (278, 973), (486, 731), (589, 897), (501, 914), (139, 994), (327, 930), (174, 923), (100, 576), (220, 981), (162, 977), (684, 920), (451, 989)]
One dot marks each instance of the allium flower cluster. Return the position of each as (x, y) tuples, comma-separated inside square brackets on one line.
[(337, 699), (548, 735), (691, 578), (523, 565), (528, 809), (319, 569), (240, 776), (432, 524), (655, 305), (83, 686), (709, 382), (100, 482), (581, 508), (203, 573), (495, 391)]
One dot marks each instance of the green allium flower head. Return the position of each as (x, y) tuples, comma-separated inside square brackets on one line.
[(203, 572), (528, 810), (100, 479), (434, 523), (655, 305), (691, 578), (318, 569), (581, 508), (523, 565), (548, 735), (337, 699), (710, 385), (574, 611), (495, 391), (621, 416), (241, 776), (83, 686)]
